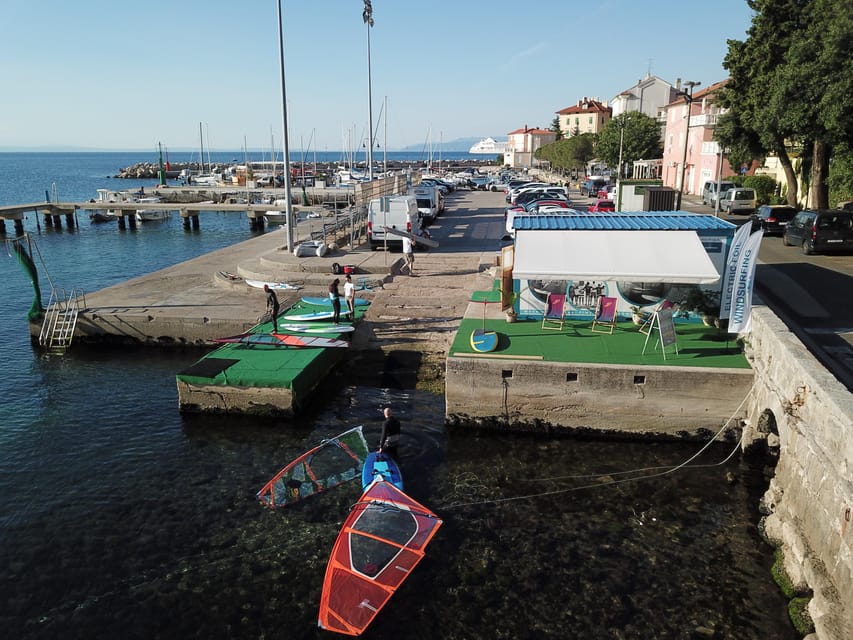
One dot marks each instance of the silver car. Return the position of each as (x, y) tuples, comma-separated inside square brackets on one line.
[(739, 200)]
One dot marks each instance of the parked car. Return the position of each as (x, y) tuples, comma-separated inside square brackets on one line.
[(602, 205), (538, 194), (590, 187), (820, 231), (512, 193), (739, 200), (538, 205), (710, 190), (772, 218)]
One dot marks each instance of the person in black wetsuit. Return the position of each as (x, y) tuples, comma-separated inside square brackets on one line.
[(335, 297), (272, 307), (390, 438)]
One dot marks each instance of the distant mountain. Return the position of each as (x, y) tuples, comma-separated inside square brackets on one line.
[(458, 145)]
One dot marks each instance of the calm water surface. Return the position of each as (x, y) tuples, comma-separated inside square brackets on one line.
[(118, 517)]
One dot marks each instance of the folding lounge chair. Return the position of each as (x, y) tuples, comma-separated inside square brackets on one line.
[(555, 308), (605, 315)]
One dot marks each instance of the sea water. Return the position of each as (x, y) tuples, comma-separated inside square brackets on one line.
[(119, 517)]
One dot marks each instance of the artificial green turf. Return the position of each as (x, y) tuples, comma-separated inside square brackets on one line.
[(698, 345), (297, 369)]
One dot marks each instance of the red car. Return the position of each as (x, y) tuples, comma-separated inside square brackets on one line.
[(602, 206)]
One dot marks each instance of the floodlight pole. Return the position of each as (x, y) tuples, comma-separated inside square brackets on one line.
[(367, 16), (688, 96), (288, 207)]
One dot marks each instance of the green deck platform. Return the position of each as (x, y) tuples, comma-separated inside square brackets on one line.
[(698, 345), (258, 379)]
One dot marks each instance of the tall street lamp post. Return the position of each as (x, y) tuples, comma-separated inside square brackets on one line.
[(288, 205), (621, 138), (688, 96), (367, 16)]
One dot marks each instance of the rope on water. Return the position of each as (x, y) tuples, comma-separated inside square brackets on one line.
[(660, 471)]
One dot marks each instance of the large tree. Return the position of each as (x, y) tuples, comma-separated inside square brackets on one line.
[(555, 127), (640, 138), (568, 153), (788, 87)]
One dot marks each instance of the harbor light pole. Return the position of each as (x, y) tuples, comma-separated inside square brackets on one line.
[(621, 138), (288, 206), (688, 96), (367, 16)]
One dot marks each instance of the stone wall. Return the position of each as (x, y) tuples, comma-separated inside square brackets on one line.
[(805, 412), (673, 401)]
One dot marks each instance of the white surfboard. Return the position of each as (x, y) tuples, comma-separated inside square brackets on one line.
[(405, 234), (315, 328), (279, 286)]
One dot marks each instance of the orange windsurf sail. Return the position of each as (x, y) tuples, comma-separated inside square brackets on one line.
[(382, 540)]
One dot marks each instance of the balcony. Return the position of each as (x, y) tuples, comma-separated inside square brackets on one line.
[(704, 120)]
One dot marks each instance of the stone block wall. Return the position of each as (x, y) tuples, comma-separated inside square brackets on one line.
[(799, 407), (634, 399)]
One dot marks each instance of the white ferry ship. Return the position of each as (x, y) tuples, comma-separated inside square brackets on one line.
[(488, 145)]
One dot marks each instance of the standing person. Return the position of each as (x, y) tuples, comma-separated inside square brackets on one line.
[(335, 297), (272, 307), (409, 254), (390, 438), (349, 296)]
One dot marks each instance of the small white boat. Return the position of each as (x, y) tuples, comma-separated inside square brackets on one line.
[(152, 214), (310, 248), (277, 215)]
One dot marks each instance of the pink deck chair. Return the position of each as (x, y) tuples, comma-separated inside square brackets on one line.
[(605, 315), (555, 308)]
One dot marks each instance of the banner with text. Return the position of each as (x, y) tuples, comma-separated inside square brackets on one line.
[(740, 320), (730, 271)]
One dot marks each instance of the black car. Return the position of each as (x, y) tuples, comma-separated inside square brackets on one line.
[(773, 218), (590, 187), (819, 231)]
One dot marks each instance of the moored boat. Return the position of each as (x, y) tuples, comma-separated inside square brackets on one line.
[(151, 215)]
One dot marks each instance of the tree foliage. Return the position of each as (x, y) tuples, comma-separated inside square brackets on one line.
[(641, 139), (555, 127), (568, 153), (790, 86)]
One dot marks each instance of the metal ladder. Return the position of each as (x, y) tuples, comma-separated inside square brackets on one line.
[(57, 331)]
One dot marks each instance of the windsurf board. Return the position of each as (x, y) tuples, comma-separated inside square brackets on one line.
[(316, 328), (319, 301), (313, 316), (411, 236), (282, 340), (259, 284), (380, 465)]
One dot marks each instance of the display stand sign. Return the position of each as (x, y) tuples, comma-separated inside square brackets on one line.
[(662, 321)]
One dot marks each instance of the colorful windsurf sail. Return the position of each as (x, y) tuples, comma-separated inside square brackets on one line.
[(282, 340), (327, 465), (382, 540)]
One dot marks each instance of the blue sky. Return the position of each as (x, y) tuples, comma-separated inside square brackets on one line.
[(118, 75)]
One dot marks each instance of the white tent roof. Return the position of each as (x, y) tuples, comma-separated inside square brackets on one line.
[(637, 256)]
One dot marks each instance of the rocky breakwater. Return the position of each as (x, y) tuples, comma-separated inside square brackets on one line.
[(151, 170)]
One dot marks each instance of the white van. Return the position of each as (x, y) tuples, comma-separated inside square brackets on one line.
[(740, 200), (710, 192), (396, 212), (429, 200)]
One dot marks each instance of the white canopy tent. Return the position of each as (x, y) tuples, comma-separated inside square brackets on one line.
[(677, 257)]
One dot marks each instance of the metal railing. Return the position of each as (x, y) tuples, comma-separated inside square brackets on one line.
[(60, 321)]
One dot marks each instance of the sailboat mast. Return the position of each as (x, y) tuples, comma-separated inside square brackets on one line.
[(201, 150)]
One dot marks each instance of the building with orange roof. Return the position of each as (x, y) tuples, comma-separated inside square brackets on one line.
[(523, 143), (589, 115)]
